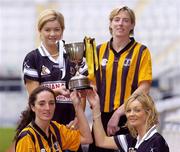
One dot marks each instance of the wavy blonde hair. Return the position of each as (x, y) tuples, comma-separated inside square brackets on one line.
[(149, 108)]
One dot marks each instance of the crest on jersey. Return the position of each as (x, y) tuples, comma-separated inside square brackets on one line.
[(104, 62), (43, 150), (72, 71), (127, 62), (132, 149), (45, 70), (56, 146)]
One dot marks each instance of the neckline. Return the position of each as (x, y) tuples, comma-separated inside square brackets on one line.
[(40, 131), (146, 136), (132, 40)]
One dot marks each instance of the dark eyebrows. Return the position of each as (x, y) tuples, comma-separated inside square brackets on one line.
[(40, 101)]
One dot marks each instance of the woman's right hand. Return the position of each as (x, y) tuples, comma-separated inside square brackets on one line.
[(93, 98)]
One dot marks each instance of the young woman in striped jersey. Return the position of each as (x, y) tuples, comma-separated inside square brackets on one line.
[(37, 132)]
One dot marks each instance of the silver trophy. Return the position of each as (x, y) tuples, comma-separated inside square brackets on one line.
[(75, 52)]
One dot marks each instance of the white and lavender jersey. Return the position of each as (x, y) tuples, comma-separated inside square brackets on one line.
[(39, 66), (152, 141)]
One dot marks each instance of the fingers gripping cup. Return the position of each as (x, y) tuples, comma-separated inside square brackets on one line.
[(75, 52)]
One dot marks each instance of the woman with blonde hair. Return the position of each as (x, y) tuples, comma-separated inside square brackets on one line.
[(142, 120), (124, 68), (48, 65)]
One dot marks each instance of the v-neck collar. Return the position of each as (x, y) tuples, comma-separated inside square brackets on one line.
[(148, 135), (44, 52), (40, 131), (124, 49)]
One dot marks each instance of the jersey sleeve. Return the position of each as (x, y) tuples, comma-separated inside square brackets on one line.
[(124, 142), (145, 70), (160, 145), (30, 70), (25, 144), (70, 138), (121, 142)]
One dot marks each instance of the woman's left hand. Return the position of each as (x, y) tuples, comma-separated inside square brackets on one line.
[(73, 124), (75, 97)]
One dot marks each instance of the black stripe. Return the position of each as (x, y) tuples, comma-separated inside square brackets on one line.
[(23, 134), (113, 83), (135, 80), (36, 130), (103, 87), (98, 77), (124, 75), (57, 133), (39, 140), (54, 141), (114, 76)]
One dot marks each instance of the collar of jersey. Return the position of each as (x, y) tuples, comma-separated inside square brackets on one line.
[(148, 135), (127, 47), (44, 52), (39, 130)]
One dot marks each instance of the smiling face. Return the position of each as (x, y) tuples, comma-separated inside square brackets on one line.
[(136, 115), (44, 106), (121, 24), (50, 33)]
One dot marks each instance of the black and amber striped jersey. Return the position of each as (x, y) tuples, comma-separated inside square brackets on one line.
[(119, 74), (33, 139)]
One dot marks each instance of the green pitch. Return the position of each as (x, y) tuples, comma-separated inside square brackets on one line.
[(6, 137)]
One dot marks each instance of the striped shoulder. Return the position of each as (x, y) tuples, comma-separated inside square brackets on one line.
[(24, 133), (142, 46), (54, 125)]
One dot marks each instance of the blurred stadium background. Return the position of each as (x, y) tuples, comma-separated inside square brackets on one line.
[(157, 26)]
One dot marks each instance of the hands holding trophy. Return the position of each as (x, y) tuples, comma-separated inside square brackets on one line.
[(75, 52)]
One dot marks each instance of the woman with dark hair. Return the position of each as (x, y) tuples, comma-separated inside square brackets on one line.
[(37, 132), (142, 120), (48, 65)]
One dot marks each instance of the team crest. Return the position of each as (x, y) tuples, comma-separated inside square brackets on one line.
[(45, 70), (56, 146), (72, 71), (131, 149), (104, 62), (127, 62), (43, 150)]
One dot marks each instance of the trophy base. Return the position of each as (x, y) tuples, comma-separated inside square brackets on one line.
[(79, 83)]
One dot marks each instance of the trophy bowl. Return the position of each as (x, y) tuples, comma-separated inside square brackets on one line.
[(75, 53)]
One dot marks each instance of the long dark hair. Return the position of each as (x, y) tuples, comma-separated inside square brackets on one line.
[(28, 115)]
